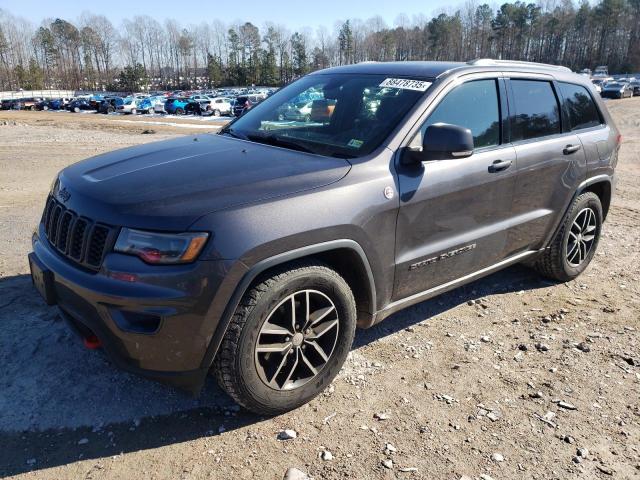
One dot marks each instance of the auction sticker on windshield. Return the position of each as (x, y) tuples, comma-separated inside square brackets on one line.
[(406, 84)]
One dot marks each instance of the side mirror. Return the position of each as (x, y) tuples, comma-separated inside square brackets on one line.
[(442, 141), (445, 141)]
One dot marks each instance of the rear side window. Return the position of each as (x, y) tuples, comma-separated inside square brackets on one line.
[(536, 110), (583, 113), (473, 105)]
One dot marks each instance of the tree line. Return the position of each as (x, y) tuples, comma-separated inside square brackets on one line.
[(93, 54)]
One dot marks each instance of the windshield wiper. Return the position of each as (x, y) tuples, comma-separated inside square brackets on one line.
[(279, 142)]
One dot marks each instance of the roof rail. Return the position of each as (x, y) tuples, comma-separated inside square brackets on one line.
[(515, 63)]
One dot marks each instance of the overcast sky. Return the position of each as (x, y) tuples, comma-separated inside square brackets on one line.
[(293, 14)]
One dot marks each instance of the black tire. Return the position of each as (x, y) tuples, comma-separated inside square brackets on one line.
[(179, 111), (236, 363), (554, 262), (216, 113)]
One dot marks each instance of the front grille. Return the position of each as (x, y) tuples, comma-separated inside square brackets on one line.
[(76, 237)]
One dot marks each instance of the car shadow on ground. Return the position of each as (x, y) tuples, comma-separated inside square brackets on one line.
[(60, 403)]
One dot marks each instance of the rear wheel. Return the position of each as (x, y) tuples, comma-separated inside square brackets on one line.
[(216, 113), (179, 111), (76, 109), (575, 244), (287, 339)]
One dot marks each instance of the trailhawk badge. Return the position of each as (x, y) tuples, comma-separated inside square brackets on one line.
[(442, 256)]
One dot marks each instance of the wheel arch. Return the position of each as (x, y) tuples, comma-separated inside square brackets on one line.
[(345, 256), (601, 185), (602, 188)]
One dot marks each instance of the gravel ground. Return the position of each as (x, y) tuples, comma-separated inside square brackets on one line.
[(509, 377)]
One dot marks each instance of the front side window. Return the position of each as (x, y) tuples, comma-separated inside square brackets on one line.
[(473, 105), (583, 113), (343, 115), (536, 110)]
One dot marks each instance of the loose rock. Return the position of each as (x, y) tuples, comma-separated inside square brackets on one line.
[(326, 455), (497, 457), (583, 452), (295, 474), (287, 435), (567, 405)]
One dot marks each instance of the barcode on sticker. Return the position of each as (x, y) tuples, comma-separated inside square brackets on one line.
[(406, 84)]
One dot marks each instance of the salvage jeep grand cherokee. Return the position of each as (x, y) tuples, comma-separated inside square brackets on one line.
[(256, 252)]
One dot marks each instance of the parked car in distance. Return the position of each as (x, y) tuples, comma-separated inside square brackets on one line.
[(254, 253), (616, 90), (150, 104), (635, 87), (109, 104), (176, 105), (17, 104), (30, 103), (52, 104), (129, 105), (6, 104), (78, 104), (245, 103), (220, 106)]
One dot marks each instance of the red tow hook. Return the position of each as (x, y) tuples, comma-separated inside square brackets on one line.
[(91, 342)]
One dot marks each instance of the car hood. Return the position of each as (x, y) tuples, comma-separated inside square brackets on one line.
[(168, 185)]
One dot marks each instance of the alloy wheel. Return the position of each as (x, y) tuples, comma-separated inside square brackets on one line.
[(581, 237), (296, 340)]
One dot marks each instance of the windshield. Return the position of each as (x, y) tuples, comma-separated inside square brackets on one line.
[(342, 115)]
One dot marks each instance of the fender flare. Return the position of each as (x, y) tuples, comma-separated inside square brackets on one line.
[(581, 188), (270, 262)]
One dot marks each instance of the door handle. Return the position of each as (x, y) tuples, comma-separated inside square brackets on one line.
[(569, 149), (499, 165)]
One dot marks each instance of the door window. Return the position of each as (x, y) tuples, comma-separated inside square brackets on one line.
[(473, 105), (536, 110), (578, 103)]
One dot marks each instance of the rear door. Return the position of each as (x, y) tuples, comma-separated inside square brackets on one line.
[(551, 160), (587, 122), (454, 213)]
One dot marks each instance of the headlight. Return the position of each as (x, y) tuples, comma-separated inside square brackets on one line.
[(161, 248)]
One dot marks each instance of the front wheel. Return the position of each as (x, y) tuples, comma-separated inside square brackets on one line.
[(179, 111), (574, 246), (287, 339)]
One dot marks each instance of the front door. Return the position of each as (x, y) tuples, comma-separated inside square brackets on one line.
[(455, 214)]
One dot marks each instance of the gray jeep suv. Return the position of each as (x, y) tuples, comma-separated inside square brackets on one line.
[(256, 252)]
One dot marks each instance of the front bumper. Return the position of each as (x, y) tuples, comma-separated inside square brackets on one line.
[(159, 325)]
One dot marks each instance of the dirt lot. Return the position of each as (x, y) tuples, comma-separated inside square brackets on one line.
[(464, 390)]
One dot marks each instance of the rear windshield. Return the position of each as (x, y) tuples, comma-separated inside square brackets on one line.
[(350, 115)]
